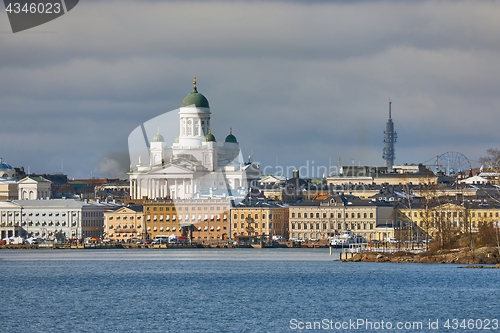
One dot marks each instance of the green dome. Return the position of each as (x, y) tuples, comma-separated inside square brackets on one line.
[(195, 98), (209, 137), (158, 137), (231, 137)]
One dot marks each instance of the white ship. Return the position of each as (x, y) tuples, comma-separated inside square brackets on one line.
[(346, 239)]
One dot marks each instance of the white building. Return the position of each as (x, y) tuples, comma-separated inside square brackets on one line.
[(195, 165), (45, 218), (33, 188)]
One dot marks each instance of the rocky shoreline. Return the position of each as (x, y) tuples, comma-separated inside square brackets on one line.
[(485, 255)]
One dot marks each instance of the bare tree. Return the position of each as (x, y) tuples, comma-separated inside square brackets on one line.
[(429, 195), (492, 161)]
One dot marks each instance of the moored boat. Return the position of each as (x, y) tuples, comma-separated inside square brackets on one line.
[(347, 239)]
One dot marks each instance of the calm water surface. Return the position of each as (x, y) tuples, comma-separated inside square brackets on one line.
[(232, 290)]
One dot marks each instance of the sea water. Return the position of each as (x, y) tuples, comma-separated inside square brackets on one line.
[(238, 290)]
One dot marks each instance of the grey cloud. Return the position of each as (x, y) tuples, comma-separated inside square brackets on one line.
[(294, 80)]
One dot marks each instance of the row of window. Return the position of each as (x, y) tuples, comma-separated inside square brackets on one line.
[(306, 235), (35, 214), (91, 223), (191, 126), (124, 234), (92, 214), (124, 218), (38, 223), (316, 226), (450, 214), (154, 209), (47, 233), (186, 217), (252, 225), (125, 226), (256, 216), (332, 215), (456, 224), (85, 223)]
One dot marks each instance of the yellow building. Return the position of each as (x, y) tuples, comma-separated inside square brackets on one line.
[(205, 221), (318, 220), (8, 190), (200, 220), (161, 218), (124, 224), (458, 218), (261, 218)]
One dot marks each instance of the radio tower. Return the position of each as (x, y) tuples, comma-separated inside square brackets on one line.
[(390, 140)]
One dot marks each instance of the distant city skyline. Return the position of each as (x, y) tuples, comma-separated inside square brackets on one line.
[(300, 83)]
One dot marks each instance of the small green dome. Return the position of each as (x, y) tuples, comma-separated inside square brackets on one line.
[(195, 98), (209, 137), (158, 137), (231, 137), (176, 139)]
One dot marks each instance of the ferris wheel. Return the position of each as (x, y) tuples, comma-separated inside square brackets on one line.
[(449, 163)]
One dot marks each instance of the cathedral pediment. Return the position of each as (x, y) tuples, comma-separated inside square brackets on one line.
[(171, 169)]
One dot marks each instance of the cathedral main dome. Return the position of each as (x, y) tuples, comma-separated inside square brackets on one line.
[(6, 170), (195, 98)]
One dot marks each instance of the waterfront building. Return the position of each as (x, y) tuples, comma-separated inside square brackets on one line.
[(160, 218), (453, 217), (125, 223), (260, 218), (200, 220), (196, 165), (10, 220), (46, 218), (320, 219), (205, 221)]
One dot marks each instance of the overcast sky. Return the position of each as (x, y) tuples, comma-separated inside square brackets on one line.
[(301, 83)]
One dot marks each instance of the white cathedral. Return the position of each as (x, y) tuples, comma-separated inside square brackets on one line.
[(195, 166)]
